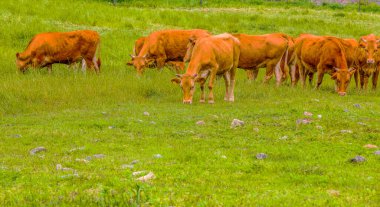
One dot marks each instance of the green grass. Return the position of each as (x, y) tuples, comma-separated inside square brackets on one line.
[(68, 110)]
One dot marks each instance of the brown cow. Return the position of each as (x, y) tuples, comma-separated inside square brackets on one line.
[(270, 51), (45, 49), (163, 46), (211, 56), (368, 61), (323, 55)]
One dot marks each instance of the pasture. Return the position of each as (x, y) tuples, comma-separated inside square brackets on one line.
[(76, 116)]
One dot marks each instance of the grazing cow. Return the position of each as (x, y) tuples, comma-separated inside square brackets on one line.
[(270, 51), (323, 55), (45, 49), (368, 61), (163, 46), (211, 56)]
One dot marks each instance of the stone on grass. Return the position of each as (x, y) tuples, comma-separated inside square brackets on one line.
[(58, 167), (134, 162), (16, 136), (319, 116), (377, 152), (358, 159), (104, 113), (256, 129), (201, 122), (111, 127), (77, 149), (146, 113), (37, 150), (147, 177), (153, 122), (283, 138), (89, 158), (261, 156), (224, 156), (357, 106), (126, 166), (362, 123), (82, 160), (138, 172), (306, 113), (333, 192), (158, 156), (370, 146), (237, 123), (319, 127), (346, 131), (99, 156)]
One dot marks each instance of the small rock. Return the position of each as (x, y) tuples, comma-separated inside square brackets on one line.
[(153, 122), (256, 129), (89, 158), (377, 152), (303, 121), (201, 122), (37, 150), (346, 131), (134, 162), (370, 146), (147, 177), (319, 116), (362, 123), (99, 156), (316, 100), (261, 156), (319, 127), (138, 172), (306, 113), (346, 110), (146, 113), (104, 113), (283, 138), (224, 156), (76, 149), (66, 169), (333, 192), (58, 167), (158, 156), (358, 159), (126, 166), (16, 136), (82, 160), (111, 127), (357, 106), (236, 123)]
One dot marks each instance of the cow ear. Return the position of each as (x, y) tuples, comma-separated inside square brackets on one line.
[(176, 80), (17, 55), (129, 63), (132, 56)]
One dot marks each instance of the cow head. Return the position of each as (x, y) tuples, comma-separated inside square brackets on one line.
[(189, 51), (187, 83), (22, 62), (370, 45), (140, 63), (342, 79)]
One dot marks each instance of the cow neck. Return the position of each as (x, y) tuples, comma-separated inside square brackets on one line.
[(193, 68)]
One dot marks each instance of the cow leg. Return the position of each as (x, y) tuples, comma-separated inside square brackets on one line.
[(84, 65), (311, 77), (226, 77), (362, 80), (214, 69), (302, 76), (160, 62), (366, 77), (279, 73), (232, 84), (49, 68), (375, 77), (319, 80), (202, 85), (356, 77), (249, 74), (269, 72), (95, 63)]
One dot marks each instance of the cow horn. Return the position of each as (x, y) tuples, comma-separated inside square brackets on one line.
[(362, 39), (336, 69), (178, 75), (132, 56), (145, 56)]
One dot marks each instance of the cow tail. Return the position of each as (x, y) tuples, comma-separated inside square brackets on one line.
[(96, 59), (282, 69)]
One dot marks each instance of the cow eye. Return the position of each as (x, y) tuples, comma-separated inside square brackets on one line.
[(192, 87)]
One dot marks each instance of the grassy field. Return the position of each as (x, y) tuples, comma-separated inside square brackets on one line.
[(76, 116)]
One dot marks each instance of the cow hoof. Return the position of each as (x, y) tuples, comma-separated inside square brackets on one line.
[(232, 99), (211, 101), (202, 101)]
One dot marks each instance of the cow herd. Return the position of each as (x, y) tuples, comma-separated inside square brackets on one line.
[(211, 55)]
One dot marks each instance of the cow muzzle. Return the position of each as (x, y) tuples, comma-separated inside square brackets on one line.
[(342, 93), (370, 61)]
